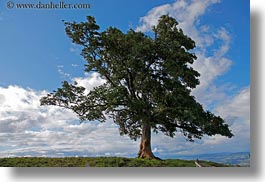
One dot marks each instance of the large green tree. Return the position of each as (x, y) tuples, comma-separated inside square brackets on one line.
[(148, 83)]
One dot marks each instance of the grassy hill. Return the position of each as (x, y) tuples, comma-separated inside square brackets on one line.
[(99, 162)]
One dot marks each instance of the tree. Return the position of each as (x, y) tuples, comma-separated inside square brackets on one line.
[(148, 83)]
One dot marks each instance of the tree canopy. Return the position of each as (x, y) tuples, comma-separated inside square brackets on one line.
[(148, 83)]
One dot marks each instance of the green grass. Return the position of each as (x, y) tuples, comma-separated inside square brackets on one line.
[(98, 162)]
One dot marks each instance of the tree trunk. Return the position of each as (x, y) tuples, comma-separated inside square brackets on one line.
[(145, 145)]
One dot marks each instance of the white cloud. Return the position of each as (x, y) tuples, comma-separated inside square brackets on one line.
[(74, 48), (211, 66), (74, 65), (223, 35), (21, 110), (236, 111), (57, 132), (2, 98), (62, 73), (187, 13), (26, 128), (239, 104), (90, 81)]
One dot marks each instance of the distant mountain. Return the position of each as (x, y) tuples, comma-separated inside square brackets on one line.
[(239, 158)]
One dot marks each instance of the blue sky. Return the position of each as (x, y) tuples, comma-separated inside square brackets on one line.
[(36, 56)]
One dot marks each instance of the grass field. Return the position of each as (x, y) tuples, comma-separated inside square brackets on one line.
[(99, 162)]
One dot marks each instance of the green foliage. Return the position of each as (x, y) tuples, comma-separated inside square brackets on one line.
[(99, 162), (148, 79)]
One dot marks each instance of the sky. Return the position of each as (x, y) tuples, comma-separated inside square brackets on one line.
[(36, 56)]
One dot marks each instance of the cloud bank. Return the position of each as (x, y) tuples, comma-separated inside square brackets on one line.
[(28, 129)]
